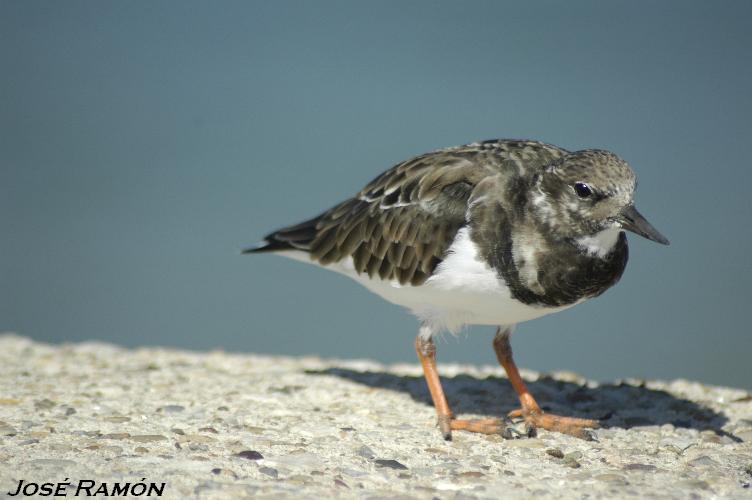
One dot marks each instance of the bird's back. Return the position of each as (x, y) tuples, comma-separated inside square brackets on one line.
[(401, 224)]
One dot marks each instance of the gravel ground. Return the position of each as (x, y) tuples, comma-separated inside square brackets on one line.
[(219, 425)]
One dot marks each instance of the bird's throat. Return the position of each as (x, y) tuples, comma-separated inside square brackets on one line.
[(599, 244)]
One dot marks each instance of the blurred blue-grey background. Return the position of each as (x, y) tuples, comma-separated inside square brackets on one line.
[(143, 144)]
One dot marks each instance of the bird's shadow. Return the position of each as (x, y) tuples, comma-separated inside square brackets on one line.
[(615, 405)]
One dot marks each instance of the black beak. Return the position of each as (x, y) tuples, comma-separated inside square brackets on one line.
[(632, 220)]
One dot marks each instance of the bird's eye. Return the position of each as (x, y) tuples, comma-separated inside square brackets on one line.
[(582, 190)]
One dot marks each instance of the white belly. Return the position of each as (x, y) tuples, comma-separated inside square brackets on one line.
[(463, 290)]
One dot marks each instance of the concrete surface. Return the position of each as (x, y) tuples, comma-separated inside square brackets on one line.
[(220, 425)]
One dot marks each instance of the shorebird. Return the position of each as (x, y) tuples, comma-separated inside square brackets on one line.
[(491, 233)]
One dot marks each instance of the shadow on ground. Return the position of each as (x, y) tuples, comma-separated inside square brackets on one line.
[(615, 405)]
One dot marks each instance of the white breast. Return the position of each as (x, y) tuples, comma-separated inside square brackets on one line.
[(464, 289)]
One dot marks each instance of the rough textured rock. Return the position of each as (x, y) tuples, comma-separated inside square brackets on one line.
[(218, 425)]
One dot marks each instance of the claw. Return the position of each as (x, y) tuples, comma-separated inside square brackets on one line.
[(445, 425), (537, 419), (589, 435), (511, 433), (531, 430)]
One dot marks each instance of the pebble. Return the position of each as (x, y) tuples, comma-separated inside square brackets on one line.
[(640, 467), (44, 404), (703, 461), (225, 473), (366, 452), (172, 408), (390, 464), (572, 459), (250, 455), (269, 471), (197, 438)]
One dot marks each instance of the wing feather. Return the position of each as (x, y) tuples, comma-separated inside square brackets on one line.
[(401, 224)]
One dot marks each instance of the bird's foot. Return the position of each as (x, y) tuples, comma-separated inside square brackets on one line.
[(537, 419), (502, 427)]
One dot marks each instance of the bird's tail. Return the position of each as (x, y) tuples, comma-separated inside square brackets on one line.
[(297, 237)]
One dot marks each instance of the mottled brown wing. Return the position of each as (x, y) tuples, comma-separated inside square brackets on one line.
[(400, 225)]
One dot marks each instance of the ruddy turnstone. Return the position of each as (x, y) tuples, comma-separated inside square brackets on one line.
[(491, 233)]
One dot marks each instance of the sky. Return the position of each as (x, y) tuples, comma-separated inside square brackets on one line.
[(144, 144)]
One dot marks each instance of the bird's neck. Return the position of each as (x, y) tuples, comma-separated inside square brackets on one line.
[(555, 272)]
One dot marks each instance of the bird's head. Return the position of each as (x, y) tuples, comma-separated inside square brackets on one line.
[(588, 196)]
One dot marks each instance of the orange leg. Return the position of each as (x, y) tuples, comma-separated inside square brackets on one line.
[(530, 411), (426, 350)]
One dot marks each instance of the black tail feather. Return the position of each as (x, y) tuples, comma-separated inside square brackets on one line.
[(297, 237), (268, 245)]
